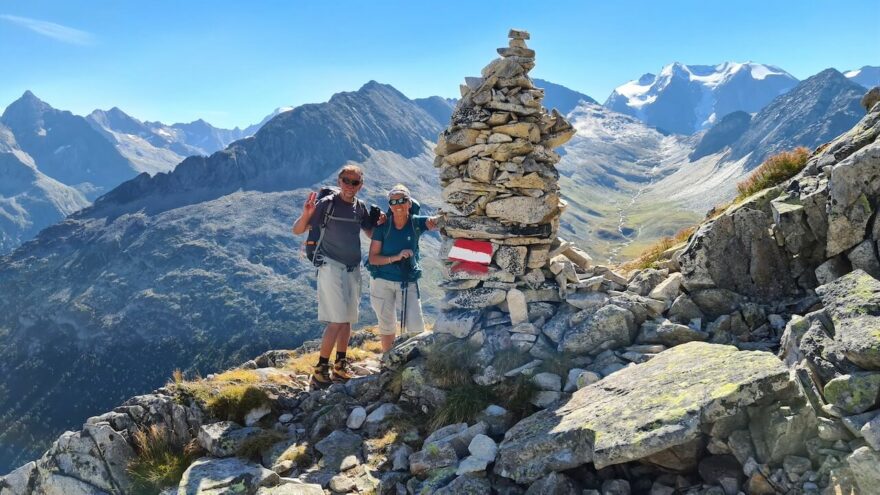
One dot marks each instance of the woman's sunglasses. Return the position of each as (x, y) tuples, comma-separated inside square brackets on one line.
[(350, 182), (395, 202)]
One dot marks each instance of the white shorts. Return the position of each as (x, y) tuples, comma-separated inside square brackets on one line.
[(339, 293), (386, 298)]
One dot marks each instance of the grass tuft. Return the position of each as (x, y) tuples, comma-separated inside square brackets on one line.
[(299, 455), (239, 376), (254, 446), (233, 402), (508, 359), (158, 463), (451, 365), (653, 253), (775, 170), (463, 404), (516, 395), (560, 364)]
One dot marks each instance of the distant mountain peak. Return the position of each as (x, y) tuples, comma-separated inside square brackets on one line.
[(685, 98), (27, 106), (868, 76), (813, 112)]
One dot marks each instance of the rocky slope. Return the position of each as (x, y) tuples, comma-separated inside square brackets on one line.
[(29, 200), (814, 112), (189, 265), (192, 273), (677, 379)]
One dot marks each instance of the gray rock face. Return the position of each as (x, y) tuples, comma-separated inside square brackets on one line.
[(855, 182), (457, 322), (225, 438), (668, 333), (853, 303), (854, 394), (95, 459), (609, 327), (645, 281), (641, 410), (338, 447), (434, 457), (208, 476), (736, 252), (865, 464)]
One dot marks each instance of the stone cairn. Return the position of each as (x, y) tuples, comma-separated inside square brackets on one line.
[(500, 184)]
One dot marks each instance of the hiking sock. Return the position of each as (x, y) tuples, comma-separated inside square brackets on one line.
[(340, 356), (323, 360)]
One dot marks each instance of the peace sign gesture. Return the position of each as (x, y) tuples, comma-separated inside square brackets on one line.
[(309, 206)]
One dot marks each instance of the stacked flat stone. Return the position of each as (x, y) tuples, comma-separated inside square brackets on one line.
[(500, 184)]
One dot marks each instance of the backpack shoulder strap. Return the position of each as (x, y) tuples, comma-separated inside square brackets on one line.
[(328, 211)]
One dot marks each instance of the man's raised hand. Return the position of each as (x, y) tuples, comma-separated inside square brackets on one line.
[(309, 206)]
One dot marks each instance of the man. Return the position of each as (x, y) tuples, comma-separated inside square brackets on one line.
[(338, 258)]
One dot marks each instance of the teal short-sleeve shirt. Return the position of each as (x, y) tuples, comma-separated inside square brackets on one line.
[(395, 240)]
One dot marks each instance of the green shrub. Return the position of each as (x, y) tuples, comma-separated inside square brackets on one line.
[(158, 463), (775, 170)]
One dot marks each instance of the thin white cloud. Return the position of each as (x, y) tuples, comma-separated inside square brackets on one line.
[(52, 30)]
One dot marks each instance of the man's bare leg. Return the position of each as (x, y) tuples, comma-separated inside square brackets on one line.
[(343, 335), (329, 339), (387, 342)]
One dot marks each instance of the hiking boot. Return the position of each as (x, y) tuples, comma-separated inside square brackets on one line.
[(342, 370), (321, 374)]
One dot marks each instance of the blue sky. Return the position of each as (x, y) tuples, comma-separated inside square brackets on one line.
[(232, 63)]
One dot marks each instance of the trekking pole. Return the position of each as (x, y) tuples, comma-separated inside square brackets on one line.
[(404, 289)]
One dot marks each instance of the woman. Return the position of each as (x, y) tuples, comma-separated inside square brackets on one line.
[(394, 256)]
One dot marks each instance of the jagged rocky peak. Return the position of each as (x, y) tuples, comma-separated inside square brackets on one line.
[(25, 109)]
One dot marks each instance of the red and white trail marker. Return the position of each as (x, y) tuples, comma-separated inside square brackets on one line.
[(471, 256), (471, 251)]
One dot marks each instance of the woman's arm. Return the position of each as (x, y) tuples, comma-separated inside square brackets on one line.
[(433, 223), (378, 259)]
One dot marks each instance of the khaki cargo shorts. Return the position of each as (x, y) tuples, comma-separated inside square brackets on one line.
[(339, 293), (386, 297)]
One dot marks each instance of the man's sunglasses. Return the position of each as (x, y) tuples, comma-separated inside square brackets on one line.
[(350, 182), (395, 202)]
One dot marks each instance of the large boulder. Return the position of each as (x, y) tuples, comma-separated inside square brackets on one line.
[(209, 476), (854, 188), (641, 410), (736, 251), (608, 328), (853, 303)]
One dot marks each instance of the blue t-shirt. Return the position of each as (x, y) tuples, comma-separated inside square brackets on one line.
[(396, 240)]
